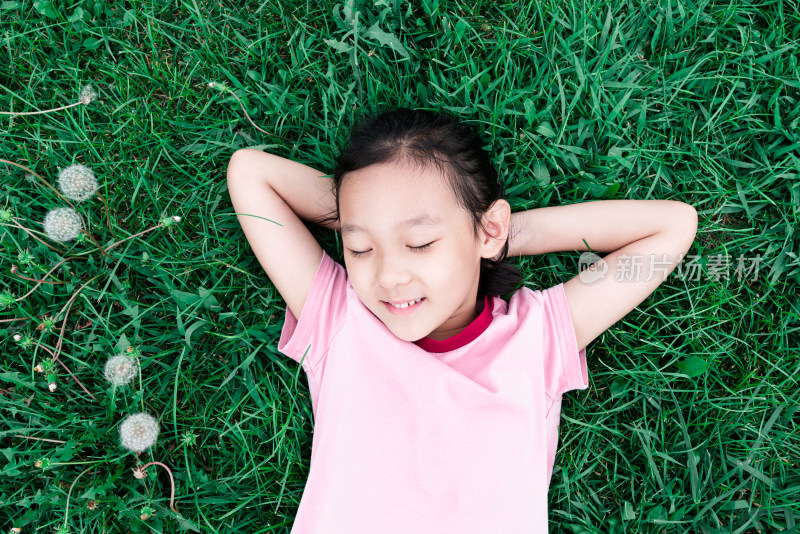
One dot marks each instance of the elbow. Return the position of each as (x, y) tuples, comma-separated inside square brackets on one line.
[(680, 223), (238, 156), (691, 218), (238, 163), (688, 223), (683, 214), (233, 163)]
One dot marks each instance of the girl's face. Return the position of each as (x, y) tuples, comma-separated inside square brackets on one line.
[(387, 212)]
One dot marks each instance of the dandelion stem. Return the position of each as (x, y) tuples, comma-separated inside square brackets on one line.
[(67, 369), (22, 318), (23, 167), (40, 439), (14, 113), (102, 250), (108, 218), (45, 182), (68, 305), (76, 379), (61, 338), (40, 282), (66, 511), (109, 247), (48, 245), (171, 480), (141, 384), (14, 270)]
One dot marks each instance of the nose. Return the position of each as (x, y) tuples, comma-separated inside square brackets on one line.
[(391, 270)]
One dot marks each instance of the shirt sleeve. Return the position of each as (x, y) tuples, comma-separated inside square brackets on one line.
[(307, 339), (564, 366)]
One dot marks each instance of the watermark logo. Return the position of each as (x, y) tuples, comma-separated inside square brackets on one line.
[(644, 267), (591, 268)]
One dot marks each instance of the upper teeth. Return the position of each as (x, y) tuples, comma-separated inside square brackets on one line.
[(406, 304)]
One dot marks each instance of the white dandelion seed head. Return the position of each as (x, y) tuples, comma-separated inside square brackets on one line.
[(17, 337), (52, 386), (120, 369), (62, 224), (138, 432), (176, 218), (87, 94), (77, 182)]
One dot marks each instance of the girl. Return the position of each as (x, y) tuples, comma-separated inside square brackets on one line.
[(436, 403)]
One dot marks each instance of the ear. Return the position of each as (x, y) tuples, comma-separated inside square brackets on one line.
[(494, 233)]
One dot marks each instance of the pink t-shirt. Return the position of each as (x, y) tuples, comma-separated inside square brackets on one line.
[(407, 440)]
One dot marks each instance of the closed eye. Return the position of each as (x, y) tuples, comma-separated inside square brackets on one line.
[(357, 253), (420, 248)]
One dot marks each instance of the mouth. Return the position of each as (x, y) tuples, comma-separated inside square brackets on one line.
[(404, 308)]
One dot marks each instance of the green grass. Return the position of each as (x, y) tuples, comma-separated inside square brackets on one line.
[(690, 422)]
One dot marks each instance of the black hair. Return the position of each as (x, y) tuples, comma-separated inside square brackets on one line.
[(439, 140)]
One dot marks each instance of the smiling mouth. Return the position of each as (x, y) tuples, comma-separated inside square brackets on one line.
[(405, 308), (406, 304)]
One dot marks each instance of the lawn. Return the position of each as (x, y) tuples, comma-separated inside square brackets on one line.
[(690, 422)]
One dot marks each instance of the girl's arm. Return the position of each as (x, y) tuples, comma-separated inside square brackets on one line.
[(270, 195), (648, 239)]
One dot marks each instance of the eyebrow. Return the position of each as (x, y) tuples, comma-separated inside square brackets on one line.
[(419, 220)]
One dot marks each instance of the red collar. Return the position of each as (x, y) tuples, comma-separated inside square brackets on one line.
[(472, 331)]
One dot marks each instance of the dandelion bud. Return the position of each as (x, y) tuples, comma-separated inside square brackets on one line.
[(62, 224), (26, 258), (189, 438), (15, 530), (169, 221), (138, 432), (87, 95), (146, 512), (26, 341), (5, 216), (218, 86), (52, 386), (39, 368), (120, 370), (77, 182), (6, 299)]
